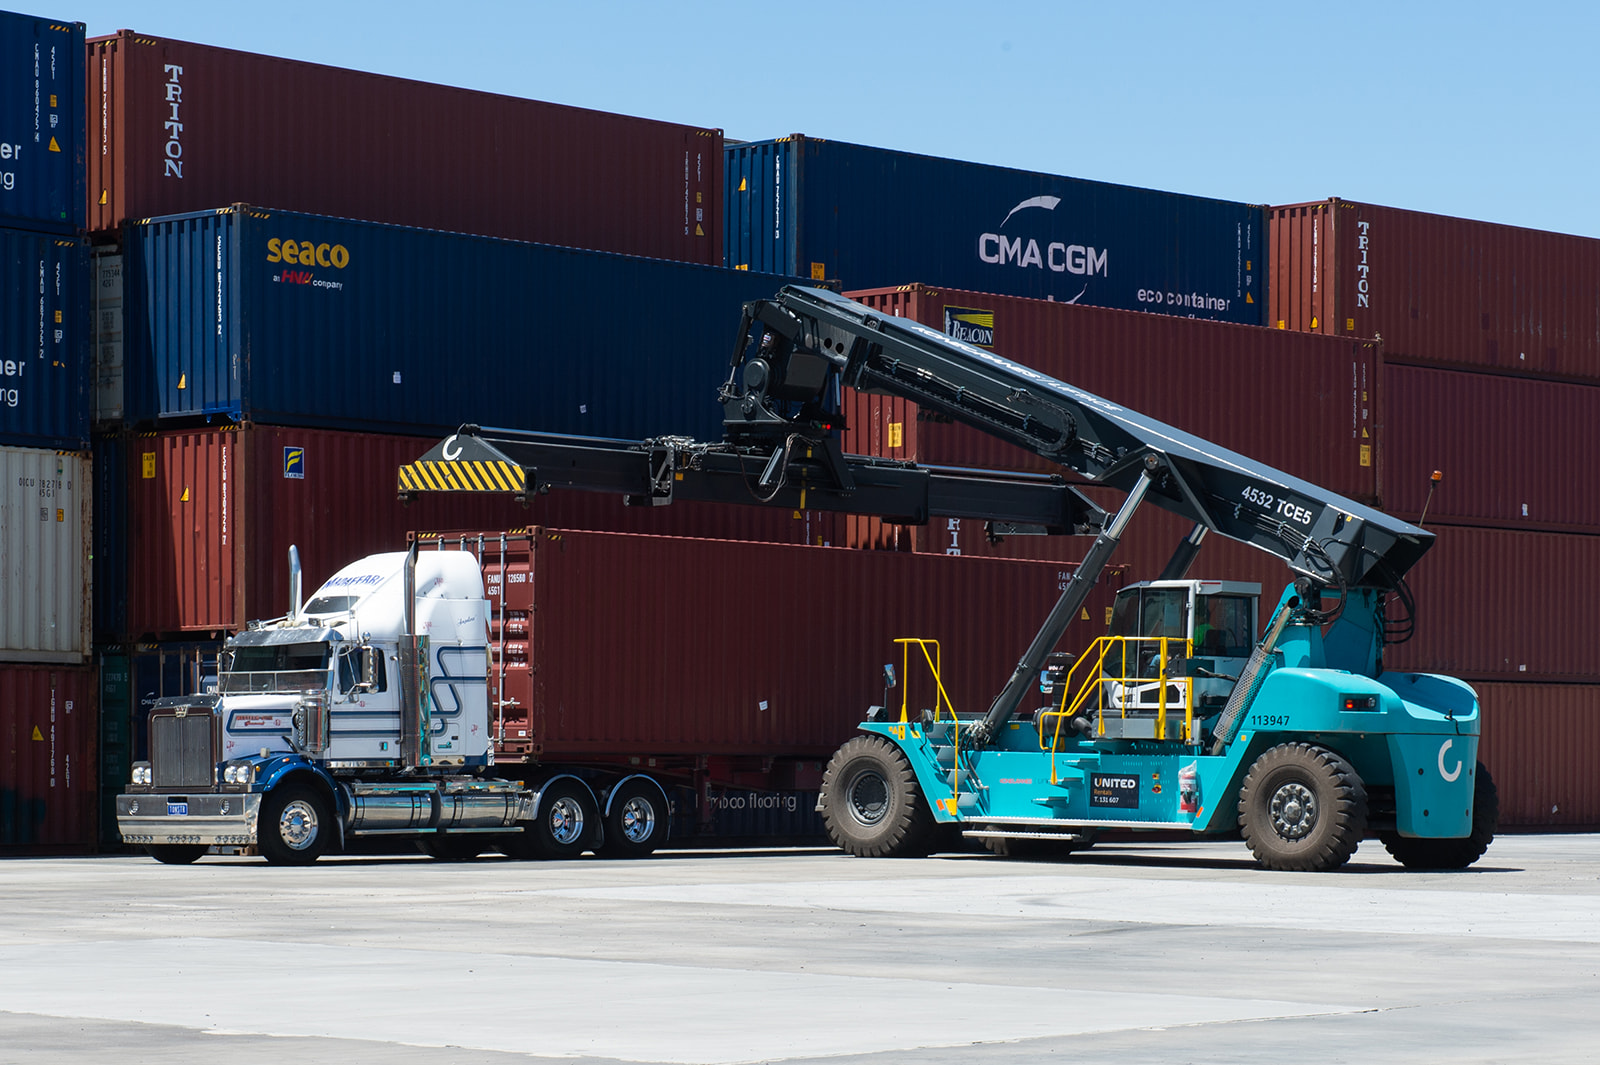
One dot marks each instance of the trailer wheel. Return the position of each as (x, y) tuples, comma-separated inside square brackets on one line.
[(637, 822), (1302, 808), (871, 803), (176, 853), (295, 826), (1453, 853), (449, 848), (564, 826)]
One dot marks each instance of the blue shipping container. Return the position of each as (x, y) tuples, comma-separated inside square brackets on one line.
[(44, 341), (872, 218), (110, 538), (41, 124), (294, 319)]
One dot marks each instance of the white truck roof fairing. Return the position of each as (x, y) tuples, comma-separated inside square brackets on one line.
[(375, 586)]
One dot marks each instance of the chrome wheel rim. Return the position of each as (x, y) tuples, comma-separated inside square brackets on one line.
[(1294, 811), (565, 820), (638, 821), (868, 798), (297, 825)]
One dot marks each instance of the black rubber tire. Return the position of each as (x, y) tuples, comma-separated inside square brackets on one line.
[(565, 825), (1043, 849), (295, 827), (1416, 853), (1302, 808), (636, 824), (448, 848), (871, 803), (176, 853)]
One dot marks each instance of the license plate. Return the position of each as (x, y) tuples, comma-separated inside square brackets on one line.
[(177, 809)]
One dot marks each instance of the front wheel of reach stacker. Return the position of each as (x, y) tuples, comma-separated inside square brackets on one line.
[(871, 803), (1302, 808)]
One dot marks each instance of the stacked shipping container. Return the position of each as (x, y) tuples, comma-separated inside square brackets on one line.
[(868, 217), (1490, 343), (47, 696)]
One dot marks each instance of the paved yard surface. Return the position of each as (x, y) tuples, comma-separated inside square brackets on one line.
[(1177, 953)]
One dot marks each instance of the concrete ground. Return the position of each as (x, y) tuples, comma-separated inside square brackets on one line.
[(1161, 954)]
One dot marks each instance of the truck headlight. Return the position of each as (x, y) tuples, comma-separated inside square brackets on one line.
[(238, 773), (141, 774)]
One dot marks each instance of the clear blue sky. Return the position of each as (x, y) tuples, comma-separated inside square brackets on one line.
[(1481, 110)]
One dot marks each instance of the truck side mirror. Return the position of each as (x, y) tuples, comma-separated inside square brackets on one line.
[(888, 676)]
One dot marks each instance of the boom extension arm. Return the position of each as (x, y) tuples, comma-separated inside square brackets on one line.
[(797, 474), (812, 340)]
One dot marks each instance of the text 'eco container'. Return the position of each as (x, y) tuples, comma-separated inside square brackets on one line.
[(44, 340), (44, 555), (41, 123), (183, 127), (1441, 290), (300, 320), (869, 217), (48, 729)]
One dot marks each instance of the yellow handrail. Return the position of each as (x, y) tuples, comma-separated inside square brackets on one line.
[(940, 704), (1098, 680)]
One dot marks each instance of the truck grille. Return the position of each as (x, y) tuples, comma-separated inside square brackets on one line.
[(182, 748)]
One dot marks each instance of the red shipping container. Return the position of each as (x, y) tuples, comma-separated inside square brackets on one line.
[(179, 127), (618, 645), (1304, 405), (1539, 742), (212, 514), (1442, 290), (1498, 604), (1512, 449), (49, 798)]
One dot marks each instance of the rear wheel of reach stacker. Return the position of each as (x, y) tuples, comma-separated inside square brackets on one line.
[(871, 803), (1453, 853), (1302, 808)]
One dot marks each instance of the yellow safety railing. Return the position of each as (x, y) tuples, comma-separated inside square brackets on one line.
[(1113, 661), (941, 703)]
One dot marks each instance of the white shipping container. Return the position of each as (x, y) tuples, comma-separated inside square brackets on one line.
[(44, 555)]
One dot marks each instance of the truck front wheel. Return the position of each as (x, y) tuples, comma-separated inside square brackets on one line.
[(296, 826), (871, 803), (1416, 853), (1302, 808)]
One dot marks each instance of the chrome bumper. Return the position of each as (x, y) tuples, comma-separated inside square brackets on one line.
[(227, 820)]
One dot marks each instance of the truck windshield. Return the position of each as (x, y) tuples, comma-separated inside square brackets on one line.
[(292, 667)]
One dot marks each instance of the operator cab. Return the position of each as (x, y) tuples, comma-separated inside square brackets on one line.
[(1212, 624)]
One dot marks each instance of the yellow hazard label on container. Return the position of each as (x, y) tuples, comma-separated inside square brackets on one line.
[(1085, 613), (698, 231), (58, 318), (183, 381), (744, 186), (1350, 325), (819, 272), (1313, 321), (185, 497), (1249, 298), (38, 737), (54, 147), (61, 515), (897, 433), (1108, 615), (1366, 454), (147, 465)]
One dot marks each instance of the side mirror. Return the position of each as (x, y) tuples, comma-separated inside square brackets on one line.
[(888, 676)]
